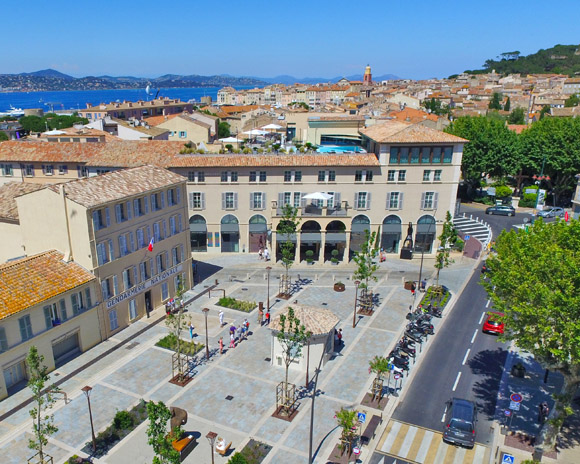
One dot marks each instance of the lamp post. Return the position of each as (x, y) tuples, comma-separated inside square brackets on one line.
[(87, 391), (205, 311), (211, 436), (357, 283), (269, 268)]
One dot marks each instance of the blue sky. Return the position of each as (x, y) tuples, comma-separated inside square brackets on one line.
[(315, 38)]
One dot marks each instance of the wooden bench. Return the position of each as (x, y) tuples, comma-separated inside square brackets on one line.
[(370, 430), (223, 450), (184, 446)]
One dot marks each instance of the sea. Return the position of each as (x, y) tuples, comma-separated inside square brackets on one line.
[(78, 99)]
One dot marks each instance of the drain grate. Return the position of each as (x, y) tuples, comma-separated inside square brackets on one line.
[(244, 289), (229, 397), (131, 345), (324, 304)]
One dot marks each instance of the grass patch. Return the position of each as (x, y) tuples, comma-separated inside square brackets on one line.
[(170, 342), (253, 453), (240, 305)]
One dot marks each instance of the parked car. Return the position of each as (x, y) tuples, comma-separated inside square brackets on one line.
[(552, 212), (460, 418), (492, 324), (504, 210)]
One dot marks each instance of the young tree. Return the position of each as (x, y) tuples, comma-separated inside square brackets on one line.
[(347, 422), (572, 101), (448, 236), (42, 424), (160, 439), (288, 226), (507, 105), (495, 102), (380, 366), (292, 336), (517, 116), (177, 323), (366, 259), (534, 282)]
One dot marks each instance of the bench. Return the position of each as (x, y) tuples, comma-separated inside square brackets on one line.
[(184, 446), (370, 430), (223, 449)]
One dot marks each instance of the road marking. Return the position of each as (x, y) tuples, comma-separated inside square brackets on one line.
[(456, 381), (474, 335), (465, 358), (487, 304), (443, 416), (481, 318)]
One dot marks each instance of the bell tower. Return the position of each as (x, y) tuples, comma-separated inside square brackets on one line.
[(368, 77)]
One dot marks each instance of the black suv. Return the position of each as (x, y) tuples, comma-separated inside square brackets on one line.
[(460, 421)]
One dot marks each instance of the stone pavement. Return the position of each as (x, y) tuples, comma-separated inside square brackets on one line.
[(141, 370)]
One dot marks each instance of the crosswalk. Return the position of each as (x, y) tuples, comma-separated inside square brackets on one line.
[(415, 444), (473, 227)]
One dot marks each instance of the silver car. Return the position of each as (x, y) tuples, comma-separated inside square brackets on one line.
[(552, 212), (460, 418)]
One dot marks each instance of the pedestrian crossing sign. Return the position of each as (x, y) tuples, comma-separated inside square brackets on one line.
[(507, 459)]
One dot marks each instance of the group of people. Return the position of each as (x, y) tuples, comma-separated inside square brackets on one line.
[(263, 318), (264, 253), (237, 334)]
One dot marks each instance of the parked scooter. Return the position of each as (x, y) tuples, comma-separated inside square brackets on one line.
[(433, 311), (424, 327), (405, 350), (415, 335), (401, 364)]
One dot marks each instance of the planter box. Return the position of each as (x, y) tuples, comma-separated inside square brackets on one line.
[(339, 287)]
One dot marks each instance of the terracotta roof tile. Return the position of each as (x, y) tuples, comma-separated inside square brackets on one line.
[(8, 194), (156, 120), (403, 132), (274, 160), (32, 280), (316, 320)]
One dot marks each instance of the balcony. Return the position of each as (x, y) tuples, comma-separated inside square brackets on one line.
[(342, 210)]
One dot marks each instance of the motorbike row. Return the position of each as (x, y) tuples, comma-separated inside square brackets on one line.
[(417, 330)]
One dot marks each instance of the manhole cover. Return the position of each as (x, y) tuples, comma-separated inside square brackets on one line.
[(267, 359), (244, 289), (229, 397)]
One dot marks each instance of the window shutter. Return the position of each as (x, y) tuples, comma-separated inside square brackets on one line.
[(174, 255), (388, 200), (140, 238), (47, 317), (75, 303), (191, 200), (23, 331), (252, 200), (263, 200), (235, 200), (3, 340), (181, 253), (142, 271), (153, 203), (223, 200), (164, 228), (129, 210), (136, 207), (368, 205), (146, 203), (132, 240), (280, 199), (435, 200), (203, 201), (63, 315), (104, 290), (178, 195), (135, 275), (179, 223), (126, 279), (302, 200), (423, 200), (356, 200), (151, 268), (88, 295), (171, 225), (400, 200), (118, 213), (111, 250), (148, 235), (115, 284), (162, 195), (337, 200), (107, 216), (122, 251), (95, 220)]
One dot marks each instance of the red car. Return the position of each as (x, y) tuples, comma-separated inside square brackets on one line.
[(492, 324)]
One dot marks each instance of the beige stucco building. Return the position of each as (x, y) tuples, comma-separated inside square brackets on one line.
[(51, 303), (107, 224)]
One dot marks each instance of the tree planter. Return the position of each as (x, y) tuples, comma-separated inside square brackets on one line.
[(409, 285), (339, 287)]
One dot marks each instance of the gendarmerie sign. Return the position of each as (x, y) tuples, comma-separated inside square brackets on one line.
[(144, 285)]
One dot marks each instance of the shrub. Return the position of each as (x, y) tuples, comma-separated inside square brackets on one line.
[(170, 342), (334, 254), (528, 200), (232, 303), (309, 254), (123, 420), (238, 458), (502, 191)]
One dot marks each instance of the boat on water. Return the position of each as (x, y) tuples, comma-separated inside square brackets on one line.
[(14, 112)]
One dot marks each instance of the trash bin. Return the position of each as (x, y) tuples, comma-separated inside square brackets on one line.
[(538, 453)]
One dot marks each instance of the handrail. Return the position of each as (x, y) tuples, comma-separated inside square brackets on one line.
[(217, 290)]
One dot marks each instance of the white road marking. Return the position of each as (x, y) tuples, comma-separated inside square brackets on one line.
[(456, 381), (443, 416), (424, 447), (487, 304), (474, 335), (481, 318), (465, 358)]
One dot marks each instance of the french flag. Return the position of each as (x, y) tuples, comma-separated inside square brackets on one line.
[(150, 247)]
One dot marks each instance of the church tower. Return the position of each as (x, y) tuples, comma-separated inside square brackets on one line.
[(368, 77)]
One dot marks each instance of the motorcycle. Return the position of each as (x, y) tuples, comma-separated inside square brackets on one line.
[(405, 350), (433, 311), (415, 335), (424, 327), (399, 363)]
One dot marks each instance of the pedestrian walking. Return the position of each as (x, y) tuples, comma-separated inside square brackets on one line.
[(221, 342), (246, 328), (268, 317), (191, 330), (340, 342), (232, 340), (260, 315), (413, 288), (423, 285), (266, 254), (543, 412), (221, 316), (239, 333), (336, 340), (260, 253)]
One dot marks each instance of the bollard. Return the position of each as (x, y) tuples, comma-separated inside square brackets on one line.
[(248, 276), (216, 282)]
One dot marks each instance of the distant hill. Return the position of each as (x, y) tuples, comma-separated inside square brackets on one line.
[(49, 73), (560, 59)]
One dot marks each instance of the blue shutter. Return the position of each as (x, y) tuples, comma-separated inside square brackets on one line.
[(132, 240), (63, 315), (108, 216), (47, 317), (146, 202), (3, 340), (96, 220), (111, 250), (179, 223), (23, 331), (89, 300), (162, 195), (129, 210), (118, 214), (178, 195), (115, 284)]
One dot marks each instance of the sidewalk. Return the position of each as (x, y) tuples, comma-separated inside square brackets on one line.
[(138, 369)]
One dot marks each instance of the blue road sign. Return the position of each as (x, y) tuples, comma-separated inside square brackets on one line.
[(507, 459), (466, 238), (362, 417), (516, 397)]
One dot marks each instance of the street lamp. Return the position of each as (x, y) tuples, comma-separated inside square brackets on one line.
[(205, 311), (211, 436), (269, 268), (357, 283), (87, 391)]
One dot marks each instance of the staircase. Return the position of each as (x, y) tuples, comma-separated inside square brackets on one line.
[(473, 227)]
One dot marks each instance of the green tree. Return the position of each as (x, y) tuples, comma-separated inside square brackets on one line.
[(507, 105), (493, 149), (365, 259), (160, 438), (379, 365), (435, 106), (3, 136), (573, 100), (495, 102), (42, 424), (292, 336), (223, 130), (347, 422), (177, 323), (553, 143), (517, 116), (545, 110), (287, 227), (446, 239), (534, 282)]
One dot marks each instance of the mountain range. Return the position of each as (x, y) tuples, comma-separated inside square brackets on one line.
[(52, 80)]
